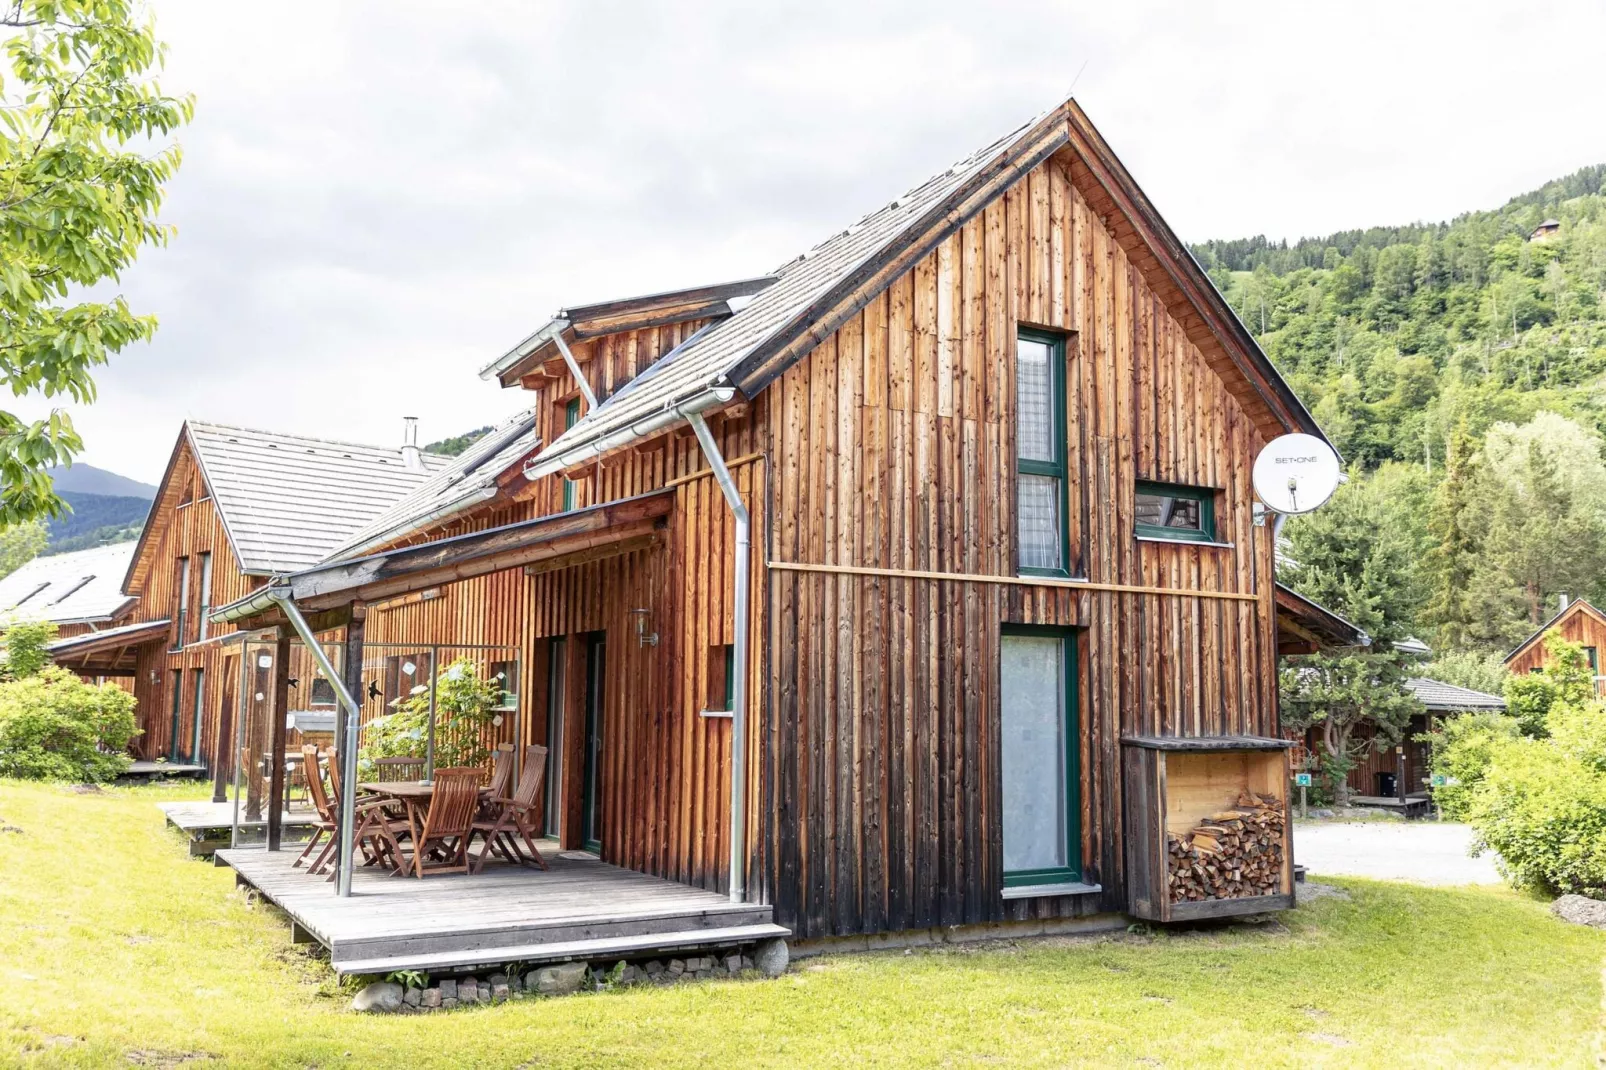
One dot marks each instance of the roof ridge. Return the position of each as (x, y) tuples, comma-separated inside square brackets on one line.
[(347, 443)]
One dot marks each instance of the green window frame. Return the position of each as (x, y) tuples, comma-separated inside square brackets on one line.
[(1206, 532), (1055, 466), (1592, 655), (1071, 772), (571, 416)]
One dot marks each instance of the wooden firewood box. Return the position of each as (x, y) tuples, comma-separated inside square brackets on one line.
[(1208, 829)]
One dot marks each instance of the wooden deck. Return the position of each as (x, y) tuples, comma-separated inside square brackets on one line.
[(1414, 805), (578, 909), (155, 769), (208, 824)]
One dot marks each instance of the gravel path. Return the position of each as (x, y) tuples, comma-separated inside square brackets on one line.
[(1428, 852)]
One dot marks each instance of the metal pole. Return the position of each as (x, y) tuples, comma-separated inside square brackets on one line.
[(348, 757), (738, 855), (434, 674), (574, 370)]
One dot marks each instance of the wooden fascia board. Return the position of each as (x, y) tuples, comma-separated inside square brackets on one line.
[(1216, 324), (385, 575), (818, 320), (601, 328), (654, 303), (134, 578)]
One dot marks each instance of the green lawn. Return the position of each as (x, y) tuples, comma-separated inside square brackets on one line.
[(119, 950)]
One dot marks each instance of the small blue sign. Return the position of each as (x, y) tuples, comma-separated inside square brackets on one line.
[(1302, 779)]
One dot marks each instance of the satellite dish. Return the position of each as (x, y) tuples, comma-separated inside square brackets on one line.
[(1295, 474)]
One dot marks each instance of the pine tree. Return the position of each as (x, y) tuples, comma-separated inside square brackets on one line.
[(1451, 561)]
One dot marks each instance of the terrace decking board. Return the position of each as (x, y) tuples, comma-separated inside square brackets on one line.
[(575, 909), (207, 816)]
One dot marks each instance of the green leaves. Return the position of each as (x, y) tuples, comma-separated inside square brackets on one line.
[(81, 177)]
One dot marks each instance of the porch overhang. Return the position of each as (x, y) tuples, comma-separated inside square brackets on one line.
[(113, 652), (1304, 626), (551, 542)]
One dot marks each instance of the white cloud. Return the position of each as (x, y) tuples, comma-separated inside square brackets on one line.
[(378, 199)]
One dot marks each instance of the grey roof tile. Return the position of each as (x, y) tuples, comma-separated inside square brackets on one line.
[(82, 586), (1437, 695), (287, 500)]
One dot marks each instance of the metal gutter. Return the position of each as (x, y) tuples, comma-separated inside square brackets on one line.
[(554, 327), (348, 754), (452, 508), (698, 403), (738, 705)]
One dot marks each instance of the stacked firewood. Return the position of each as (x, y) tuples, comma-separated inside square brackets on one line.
[(1233, 854)]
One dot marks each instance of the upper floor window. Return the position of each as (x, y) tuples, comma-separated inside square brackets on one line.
[(1167, 511), (1040, 479), (181, 602), (201, 624), (571, 416)]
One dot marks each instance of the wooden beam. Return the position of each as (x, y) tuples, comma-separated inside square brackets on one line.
[(597, 553), (1021, 581)]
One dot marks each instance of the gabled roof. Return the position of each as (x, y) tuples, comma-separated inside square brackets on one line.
[(468, 480), (124, 635), (1577, 605), (815, 293), (1440, 697), (284, 500), (625, 314), (76, 588), (1322, 624)]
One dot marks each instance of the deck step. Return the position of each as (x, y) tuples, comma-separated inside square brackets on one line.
[(604, 948), (577, 928)]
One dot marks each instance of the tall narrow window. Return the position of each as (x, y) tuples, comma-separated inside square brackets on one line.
[(1039, 773), (176, 678), (181, 602), (571, 416), (198, 686), (1040, 454), (206, 597), (1592, 655)]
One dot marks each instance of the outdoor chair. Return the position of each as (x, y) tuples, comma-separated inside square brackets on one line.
[(371, 812), (515, 815), (326, 824), (405, 768), (447, 826), (501, 780)]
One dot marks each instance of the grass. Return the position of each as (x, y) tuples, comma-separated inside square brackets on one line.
[(118, 950)]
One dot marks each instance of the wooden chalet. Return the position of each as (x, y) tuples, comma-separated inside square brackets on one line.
[(1011, 623), (1576, 621), (234, 507)]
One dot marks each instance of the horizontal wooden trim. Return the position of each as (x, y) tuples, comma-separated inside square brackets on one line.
[(1038, 891), (1023, 581), (744, 459), (1185, 542)]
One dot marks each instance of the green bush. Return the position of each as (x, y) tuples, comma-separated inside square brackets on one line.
[(1544, 812), (25, 642), (465, 706), (53, 726), (1462, 749)]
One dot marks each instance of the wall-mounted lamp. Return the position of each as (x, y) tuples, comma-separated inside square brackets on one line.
[(643, 637)]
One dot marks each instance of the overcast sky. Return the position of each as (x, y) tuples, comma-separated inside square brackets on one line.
[(378, 198)]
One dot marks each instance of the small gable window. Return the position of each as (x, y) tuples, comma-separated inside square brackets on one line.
[(1169, 511)]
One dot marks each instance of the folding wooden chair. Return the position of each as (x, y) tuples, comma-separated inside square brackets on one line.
[(326, 825), (515, 815), (371, 811), (447, 825), (501, 780)]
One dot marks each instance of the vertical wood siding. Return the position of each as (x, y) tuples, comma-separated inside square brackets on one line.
[(892, 447)]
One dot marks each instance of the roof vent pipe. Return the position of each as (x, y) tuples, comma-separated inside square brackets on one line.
[(411, 456), (1561, 602)]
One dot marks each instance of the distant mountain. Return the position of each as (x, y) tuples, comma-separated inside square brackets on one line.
[(451, 447), (87, 479), (97, 519)]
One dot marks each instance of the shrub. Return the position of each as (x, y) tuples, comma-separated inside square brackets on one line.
[(465, 705), (53, 726), (1566, 680), (1544, 812), (1462, 749), (1468, 668), (25, 647)]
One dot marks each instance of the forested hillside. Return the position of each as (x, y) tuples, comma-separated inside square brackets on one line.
[(1460, 368)]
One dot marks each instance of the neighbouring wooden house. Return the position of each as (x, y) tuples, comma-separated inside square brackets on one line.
[(80, 592), (1546, 230), (1011, 625), (1576, 621), (234, 507)]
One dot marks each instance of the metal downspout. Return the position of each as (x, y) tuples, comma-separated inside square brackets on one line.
[(348, 754), (574, 370), (738, 856)]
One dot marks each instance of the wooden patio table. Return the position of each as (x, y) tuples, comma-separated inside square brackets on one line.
[(414, 795)]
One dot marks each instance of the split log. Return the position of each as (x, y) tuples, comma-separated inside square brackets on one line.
[(1232, 854)]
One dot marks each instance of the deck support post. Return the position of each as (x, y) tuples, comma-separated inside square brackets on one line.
[(346, 757), (281, 707), (741, 580)]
